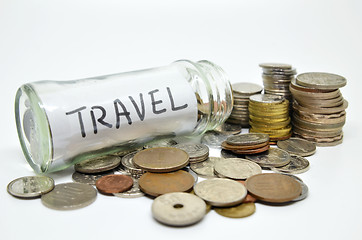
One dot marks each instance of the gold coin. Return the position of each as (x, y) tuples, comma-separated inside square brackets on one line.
[(161, 159), (239, 211), (269, 119)]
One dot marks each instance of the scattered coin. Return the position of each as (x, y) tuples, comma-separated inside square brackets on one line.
[(134, 192), (69, 196), (161, 159), (296, 165), (298, 146), (161, 143), (236, 168), (197, 152), (206, 168), (98, 164), (178, 209), (214, 139), (89, 178), (229, 128), (273, 187), (127, 163), (221, 192), (114, 183), (30, 186), (274, 157), (239, 211), (156, 184)]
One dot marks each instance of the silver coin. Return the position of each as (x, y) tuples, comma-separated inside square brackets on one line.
[(161, 143), (274, 157), (98, 164), (194, 150), (321, 80), (188, 169), (229, 128), (266, 98), (127, 163), (205, 168), (246, 88), (178, 209), (275, 65), (134, 192), (305, 189), (89, 178), (297, 146), (236, 168), (248, 139), (221, 192), (30, 186), (296, 165), (69, 196), (229, 154)]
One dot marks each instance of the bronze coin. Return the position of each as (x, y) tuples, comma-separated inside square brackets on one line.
[(227, 146), (114, 183), (156, 184), (252, 151), (249, 198), (273, 187), (161, 159)]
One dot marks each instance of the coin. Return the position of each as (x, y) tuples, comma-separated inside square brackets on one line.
[(114, 183), (127, 163), (274, 157), (89, 178), (205, 168), (213, 138), (304, 192), (266, 98), (178, 209), (221, 192), (228, 128), (226, 146), (321, 80), (249, 197), (156, 184), (246, 88), (252, 151), (239, 211), (161, 159), (297, 146), (30, 186), (194, 150), (134, 192), (69, 196), (236, 168), (273, 187), (161, 143), (248, 139), (296, 165), (98, 164), (275, 65)]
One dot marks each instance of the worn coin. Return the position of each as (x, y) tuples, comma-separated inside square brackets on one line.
[(274, 157), (114, 183), (296, 165), (89, 178), (156, 184), (161, 159), (239, 211), (321, 80), (221, 192), (266, 98), (161, 143), (127, 163), (304, 192), (249, 197), (236, 168), (252, 151), (205, 168), (134, 192), (275, 65), (69, 196), (214, 139), (30, 186), (246, 88), (229, 128), (178, 209), (227, 146), (273, 187), (248, 139), (98, 164), (297, 146), (194, 150)]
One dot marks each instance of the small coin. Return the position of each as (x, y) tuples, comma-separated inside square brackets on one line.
[(127, 163), (266, 98), (194, 150), (205, 168), (89, 178), (134, 192), (296, 165), (30, 186), (236, 168), (304, 192), (239, 211), (297, 146), (273, 187), (248, 139), (252, 151), (161, 143), (69, 196), (98, 164), (221, 192), (246, 88), (161, 159), (321, 80), (156, 184), (114, 183), (214, 139), (227, 146), (229, 128), (178, 209), (275, 65), (274, 157)]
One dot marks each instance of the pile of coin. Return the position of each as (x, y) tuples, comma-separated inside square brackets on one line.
[(277, 78), (250, 143), (197, 152), (269, 114), (319, 108), (241, 93)]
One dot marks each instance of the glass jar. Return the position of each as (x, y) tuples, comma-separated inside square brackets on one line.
[(61, 123)]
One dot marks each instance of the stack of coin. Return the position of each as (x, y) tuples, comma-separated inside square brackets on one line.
[(197, 152), (277, 78), (250, 143), (269, 114), (319, 108), (241, 93)]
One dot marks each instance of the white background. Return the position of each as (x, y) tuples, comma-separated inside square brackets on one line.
[(73, 39)]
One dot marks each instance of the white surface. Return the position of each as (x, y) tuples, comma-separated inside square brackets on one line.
[(73, 39)]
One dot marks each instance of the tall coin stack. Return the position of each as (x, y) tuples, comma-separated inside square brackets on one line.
[(241, 93), (277, 78), (319, 108), (270, 114)]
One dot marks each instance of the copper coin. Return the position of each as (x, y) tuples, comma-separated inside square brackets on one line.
[(227, 146), (161, 159), (114, 183), (273, 187), (252, 151), (156, 184), (249, 198)]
